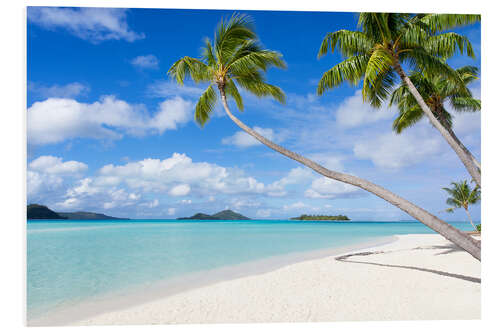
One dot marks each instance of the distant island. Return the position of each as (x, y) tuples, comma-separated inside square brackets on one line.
[(223, 215), (41, 212), (321, 218)]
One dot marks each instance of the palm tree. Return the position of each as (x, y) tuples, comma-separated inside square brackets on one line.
[(235, 60), (461, 196), (436, 90), (385, 43)]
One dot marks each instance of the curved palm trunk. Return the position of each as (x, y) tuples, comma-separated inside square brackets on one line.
[(458, 148), (452, 133), (470, 219), (454, 235)]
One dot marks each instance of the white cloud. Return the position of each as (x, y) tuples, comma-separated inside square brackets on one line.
[(145, 61), (55, 165), (393, 151), (55, 119), (295, 205), (353, 112), (46, 174), (180, 190), (242, 139), (326, 188), (69, 90), (297, 175), (92, 24), (327, 160), (172, 112), (155, 175), (151, 204), (168, 88), (171, 211)]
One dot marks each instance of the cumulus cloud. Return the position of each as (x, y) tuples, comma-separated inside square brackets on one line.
[(180, 190), (47, 174), (55, 165), (243, 140), (295, 205), (298, 175), (70, 90), (92, 24), (392, 151), (354, 112), (326, 188), (178, 175), (58, 119), (145, 61)]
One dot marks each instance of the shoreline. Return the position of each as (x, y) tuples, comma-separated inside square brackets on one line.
[(198, 298), (122, 299)]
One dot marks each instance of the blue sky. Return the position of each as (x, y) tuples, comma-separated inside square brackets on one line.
[(109, 132)]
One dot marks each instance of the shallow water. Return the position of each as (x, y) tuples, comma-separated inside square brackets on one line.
[(70, 262)]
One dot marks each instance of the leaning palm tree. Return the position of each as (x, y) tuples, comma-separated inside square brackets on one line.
[(436, 90), (235, 60), (386, 43), (461, 196)]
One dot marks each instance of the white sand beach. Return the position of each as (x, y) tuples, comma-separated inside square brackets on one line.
[(416, 277)]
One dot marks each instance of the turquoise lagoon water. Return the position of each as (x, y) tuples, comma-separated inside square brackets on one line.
[(69, 262)]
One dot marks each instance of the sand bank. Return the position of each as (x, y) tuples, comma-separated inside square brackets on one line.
[(416, 277)]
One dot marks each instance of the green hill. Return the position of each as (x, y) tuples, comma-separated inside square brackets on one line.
[(223, 215), (89, 216), (40, 212), (229, 215), (305, 217)]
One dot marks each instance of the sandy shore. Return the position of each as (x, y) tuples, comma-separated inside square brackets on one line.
[(416, 277)]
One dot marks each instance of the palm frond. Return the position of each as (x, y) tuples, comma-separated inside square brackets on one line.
[(446, 45), (192, 67), (351, 70), (260, 88), (205, 106), (443, 22), (349, 43), (407, 118), (232, 91), (467, 104)]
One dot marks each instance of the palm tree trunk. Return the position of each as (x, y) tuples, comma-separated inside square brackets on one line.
[(470, 219), (452, 133), (451, 233), (464, 157)]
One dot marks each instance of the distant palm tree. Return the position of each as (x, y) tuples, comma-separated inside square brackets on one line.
[(385, 43), (436, 90), (461, 196), (237, 60)]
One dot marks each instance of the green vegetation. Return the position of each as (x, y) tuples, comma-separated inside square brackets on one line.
[(235, 58), (321, 218), (41, 212), (461, 196), (89, 216), (387, 44), (478, 227), (223, 215), (38, 212)]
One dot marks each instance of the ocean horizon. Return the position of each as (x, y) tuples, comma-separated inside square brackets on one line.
[(70, 262)]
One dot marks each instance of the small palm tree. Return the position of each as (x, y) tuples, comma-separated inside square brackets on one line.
[(235, 60), (461, 196), (436, 90), (386, 42)]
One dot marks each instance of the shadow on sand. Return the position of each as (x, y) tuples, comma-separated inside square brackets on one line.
[(448, 248)]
